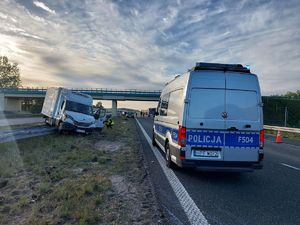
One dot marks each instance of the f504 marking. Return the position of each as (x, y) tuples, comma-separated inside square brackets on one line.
[(243, 139)]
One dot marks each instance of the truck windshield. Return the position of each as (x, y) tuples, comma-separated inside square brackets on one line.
[(78, 107)]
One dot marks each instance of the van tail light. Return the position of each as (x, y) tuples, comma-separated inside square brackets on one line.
[(261, 139), (182, 136)]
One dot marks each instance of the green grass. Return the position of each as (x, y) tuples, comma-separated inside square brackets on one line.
[(64, 179)]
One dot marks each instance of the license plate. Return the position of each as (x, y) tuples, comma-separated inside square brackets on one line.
[(80, 131), (207, 153)]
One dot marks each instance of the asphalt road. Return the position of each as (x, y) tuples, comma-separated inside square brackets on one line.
[(267, 196)]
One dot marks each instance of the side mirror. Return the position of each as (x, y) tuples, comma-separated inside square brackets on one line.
[(96, 116), (156, 113)]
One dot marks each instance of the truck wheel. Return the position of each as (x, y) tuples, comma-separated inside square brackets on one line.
[(153, 140), (48, 121), (60, 128), (169, 162)]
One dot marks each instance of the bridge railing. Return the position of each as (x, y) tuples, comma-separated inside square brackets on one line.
[(26, 90)]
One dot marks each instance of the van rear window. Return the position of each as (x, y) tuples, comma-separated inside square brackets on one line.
[(211, 103), (206, 103), (242, 105)]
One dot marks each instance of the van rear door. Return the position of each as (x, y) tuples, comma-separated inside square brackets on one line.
[(243, 123), (206, 101), (205, 106)]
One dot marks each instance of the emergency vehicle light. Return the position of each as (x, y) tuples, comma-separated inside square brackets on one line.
[(222, 67)]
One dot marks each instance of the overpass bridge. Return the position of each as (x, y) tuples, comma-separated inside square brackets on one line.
[(11, 98)]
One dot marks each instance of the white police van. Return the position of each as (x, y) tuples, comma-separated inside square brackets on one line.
[(211, 118)]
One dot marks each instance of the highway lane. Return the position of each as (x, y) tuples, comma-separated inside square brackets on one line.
[(267, 196)]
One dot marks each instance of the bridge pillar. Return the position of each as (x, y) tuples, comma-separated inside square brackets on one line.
[(114, 108), (2, 102)]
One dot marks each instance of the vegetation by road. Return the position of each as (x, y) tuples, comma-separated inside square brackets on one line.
[(73, 179), (9, 74)]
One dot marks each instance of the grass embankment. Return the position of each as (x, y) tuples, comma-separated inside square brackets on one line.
[(289, 135), (72, 179)]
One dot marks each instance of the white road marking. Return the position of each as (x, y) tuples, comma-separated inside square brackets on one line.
[(191, 210), (293, 167)]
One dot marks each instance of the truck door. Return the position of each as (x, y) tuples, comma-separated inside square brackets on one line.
[(242, 122)]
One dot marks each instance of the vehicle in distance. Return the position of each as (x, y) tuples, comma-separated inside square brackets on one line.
[(130, 114), (70, 111), (211, 118), (151, 112)]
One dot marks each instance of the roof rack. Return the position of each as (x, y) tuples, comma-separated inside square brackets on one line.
[(222, 67)]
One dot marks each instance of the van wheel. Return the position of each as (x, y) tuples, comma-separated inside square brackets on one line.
[(169, 162), (153, 140)]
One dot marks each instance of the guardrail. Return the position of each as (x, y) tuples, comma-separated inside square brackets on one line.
[(285, 129)]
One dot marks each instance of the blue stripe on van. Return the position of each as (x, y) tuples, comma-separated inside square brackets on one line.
[(242, 139), (161, 129), (205, 138), (213, 138)]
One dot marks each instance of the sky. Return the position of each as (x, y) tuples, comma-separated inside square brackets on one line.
[(129, 44)]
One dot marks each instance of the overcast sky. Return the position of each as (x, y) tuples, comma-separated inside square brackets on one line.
[(142, 44)]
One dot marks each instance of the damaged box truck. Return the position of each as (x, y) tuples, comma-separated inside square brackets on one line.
[(70, 111)]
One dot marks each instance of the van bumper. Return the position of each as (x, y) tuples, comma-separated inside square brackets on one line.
[(221, 165), (72, 128)]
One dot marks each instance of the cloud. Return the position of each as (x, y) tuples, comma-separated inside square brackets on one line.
[(142, 44), (43, 6)]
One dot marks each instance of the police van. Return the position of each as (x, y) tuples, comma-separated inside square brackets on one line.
[(211, 118)]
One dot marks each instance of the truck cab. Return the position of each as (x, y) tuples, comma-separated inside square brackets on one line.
[(75, 116)]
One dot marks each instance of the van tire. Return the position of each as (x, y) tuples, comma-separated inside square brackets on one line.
[(153, 140), (169, 162)]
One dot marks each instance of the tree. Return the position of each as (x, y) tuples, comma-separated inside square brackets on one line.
[(99, 105), (292, 94), (9, 74)]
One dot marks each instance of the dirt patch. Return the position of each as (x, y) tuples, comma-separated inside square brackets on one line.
[(129, 195), (108, 145)]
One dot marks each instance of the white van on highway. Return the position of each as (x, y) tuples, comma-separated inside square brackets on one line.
[(211, 118)]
